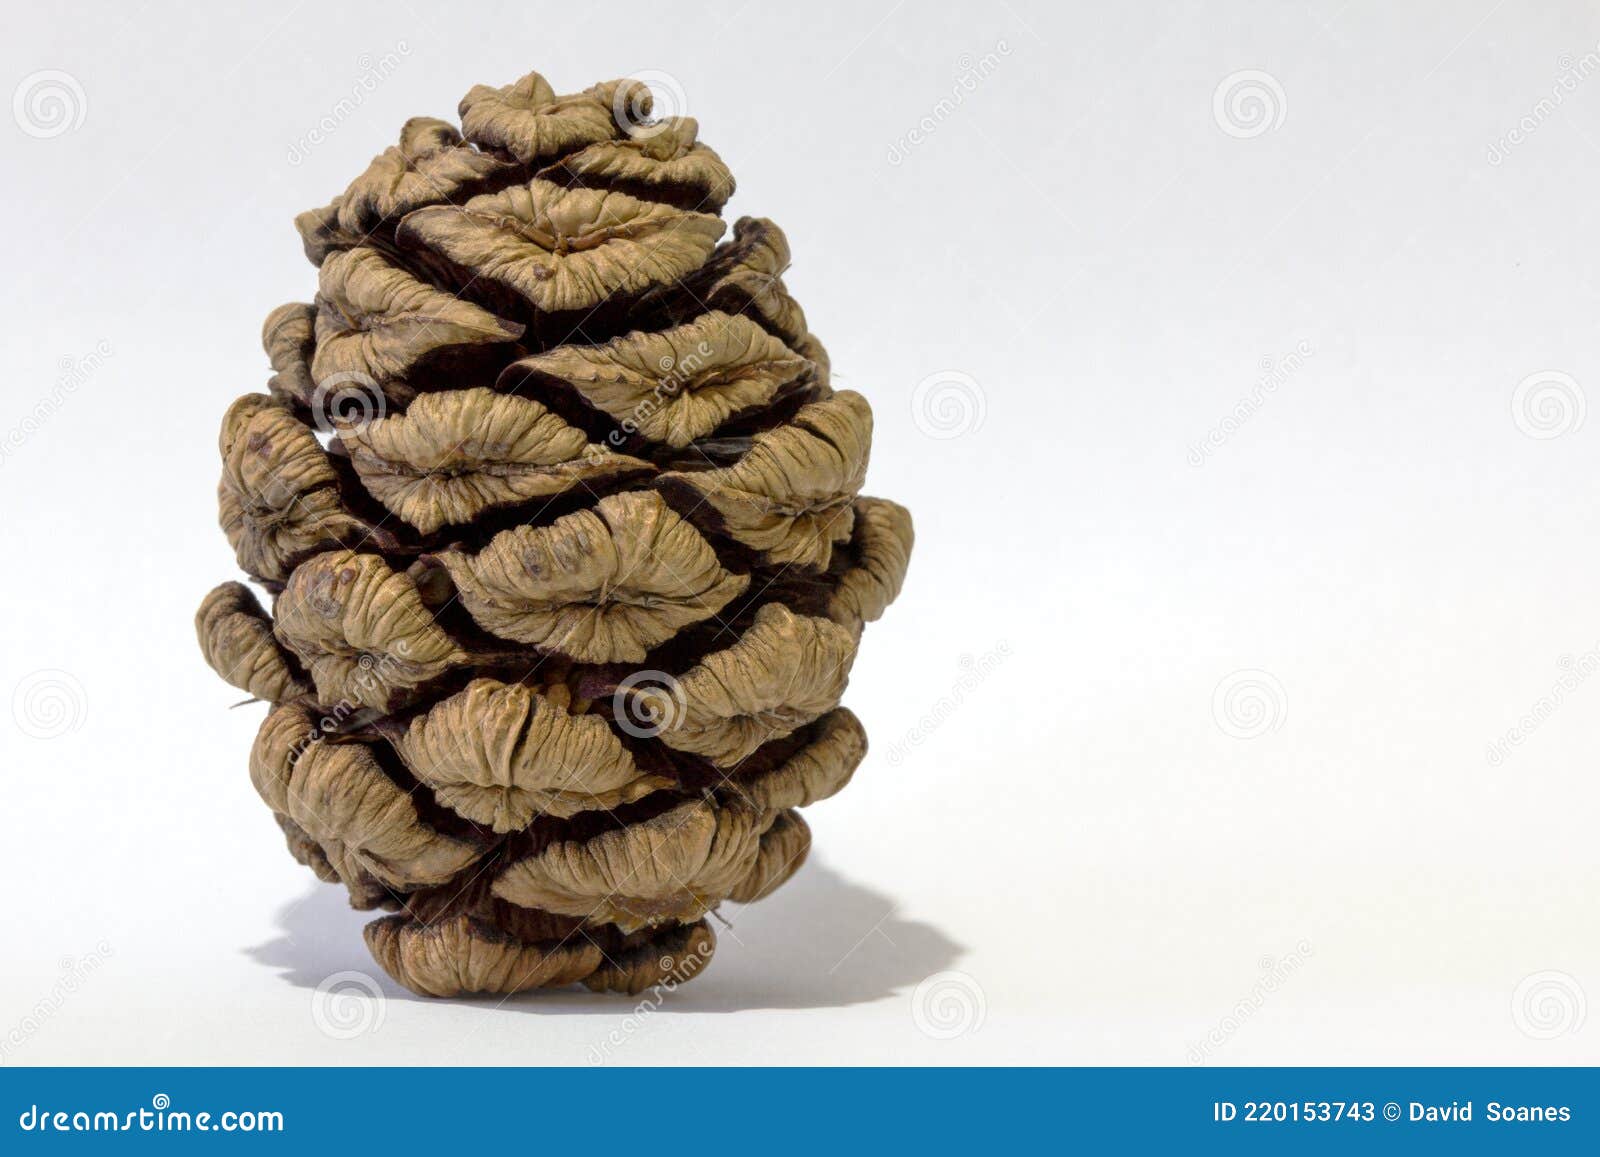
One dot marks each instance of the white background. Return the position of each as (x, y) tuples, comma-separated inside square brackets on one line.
[(1396, 541)]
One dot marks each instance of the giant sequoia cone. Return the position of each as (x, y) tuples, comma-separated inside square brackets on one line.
[(566, 592)]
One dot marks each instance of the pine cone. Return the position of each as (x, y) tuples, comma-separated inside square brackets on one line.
[(561, 520)]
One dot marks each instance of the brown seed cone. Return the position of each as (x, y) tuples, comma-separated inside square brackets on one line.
[(562, 522)]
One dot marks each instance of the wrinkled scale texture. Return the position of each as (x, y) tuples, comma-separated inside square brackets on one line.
[(560, 524)]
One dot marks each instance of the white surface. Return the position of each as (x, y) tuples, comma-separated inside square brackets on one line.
[(1079, 235)]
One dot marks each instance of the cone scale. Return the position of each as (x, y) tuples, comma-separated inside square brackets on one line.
[(560, 525)]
